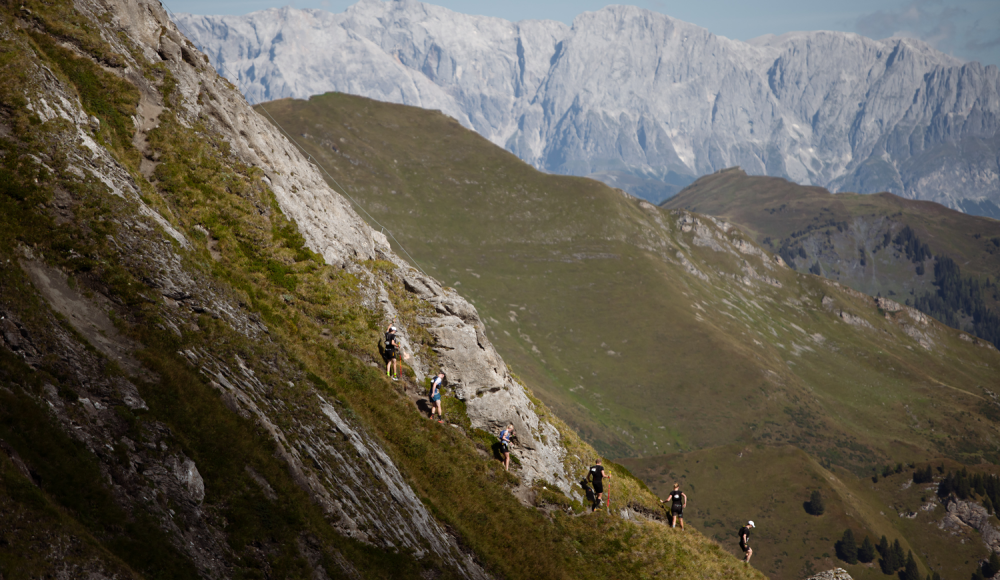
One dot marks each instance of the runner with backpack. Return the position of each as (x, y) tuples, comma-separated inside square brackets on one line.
[(505, 436), (436, 397), (391, 352)]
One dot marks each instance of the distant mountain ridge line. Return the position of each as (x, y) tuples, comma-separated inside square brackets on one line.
[(643, 101)]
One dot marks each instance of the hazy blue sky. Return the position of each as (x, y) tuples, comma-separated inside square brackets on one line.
[(968, 29)]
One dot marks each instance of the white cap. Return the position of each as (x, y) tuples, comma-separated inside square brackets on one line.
[(392, 329), (750, 523)]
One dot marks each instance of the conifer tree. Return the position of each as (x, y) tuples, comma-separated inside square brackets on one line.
[(988, 504), (847, 548), (963, 485), (923, 475), (888, 561), (992, 566), (898, 558), (816, 506), (946, 486), (910, 571), (866, 553)]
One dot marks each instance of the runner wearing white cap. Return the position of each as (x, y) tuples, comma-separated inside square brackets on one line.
[(745, 541)]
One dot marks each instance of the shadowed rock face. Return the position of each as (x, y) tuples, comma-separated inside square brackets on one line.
[(642, 101)]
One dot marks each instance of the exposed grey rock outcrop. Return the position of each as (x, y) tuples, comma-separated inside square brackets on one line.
[(966, 513), (481, 379), (643, 101), (835, 574)]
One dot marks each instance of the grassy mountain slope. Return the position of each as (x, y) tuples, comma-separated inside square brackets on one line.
[(131, 319), (651, 330), (851, 238), (584, 291), (772, 485)]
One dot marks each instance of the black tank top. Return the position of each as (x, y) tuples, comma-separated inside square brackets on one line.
[(677, 498), (745, 531)]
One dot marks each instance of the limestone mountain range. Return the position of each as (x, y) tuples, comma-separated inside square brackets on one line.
[(643, 101)]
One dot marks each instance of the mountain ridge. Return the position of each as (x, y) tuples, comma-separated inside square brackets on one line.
[(672, 103)]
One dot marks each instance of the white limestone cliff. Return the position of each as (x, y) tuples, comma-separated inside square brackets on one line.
[(644, 101)]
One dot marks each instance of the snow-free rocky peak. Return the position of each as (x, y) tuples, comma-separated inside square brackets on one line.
[(643, 101)]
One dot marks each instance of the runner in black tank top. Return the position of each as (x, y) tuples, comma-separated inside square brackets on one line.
[(678, 501), (391, 352), (745, 541), (597, 475)]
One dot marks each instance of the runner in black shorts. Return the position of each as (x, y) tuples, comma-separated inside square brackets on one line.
[(597, 475), (678, 501), (391, 352), (745, 541)]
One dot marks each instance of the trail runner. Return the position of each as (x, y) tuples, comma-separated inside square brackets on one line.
[(436, 397), (505, 436), (391, 352), (597, 475), (745, 541), (678, 501)]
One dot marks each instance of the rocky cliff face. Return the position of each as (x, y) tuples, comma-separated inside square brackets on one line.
[(330, 455), (835, 574), (644, 101), (962, 513)]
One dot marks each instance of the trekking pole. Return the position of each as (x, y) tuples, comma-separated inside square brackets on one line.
[(609, 495)]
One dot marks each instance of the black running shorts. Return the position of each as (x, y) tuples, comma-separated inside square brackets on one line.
[(678, 511), (598, 487), (744, 547)]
